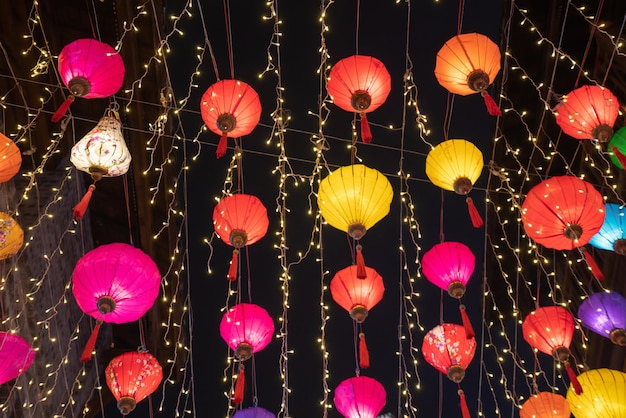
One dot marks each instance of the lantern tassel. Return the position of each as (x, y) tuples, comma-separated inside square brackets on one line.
[(91, 343), (232, 270), (364, 354), (360, 263), (491, 105), (620, 157), (221, 146), (62, 110), (467, 324), (477, 221), (463, 404), (573, 379), (595, 269), (81, 207), (240, 386), (366, 132)]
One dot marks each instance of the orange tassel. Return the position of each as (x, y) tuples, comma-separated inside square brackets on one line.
[(593, 266), (573, 379), (91, 343), (360, 263), (62, 110), (364, 354), (232, 270), (463, 403), (491, 105), (467, 324), (620, 157), (366, 132), (81, 207), (221, 146), (477, 221), (240, 387)]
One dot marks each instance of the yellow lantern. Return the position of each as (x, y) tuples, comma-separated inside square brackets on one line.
[(455, 165), (10, 159), (11, 236), (603, 395), (545, 405)]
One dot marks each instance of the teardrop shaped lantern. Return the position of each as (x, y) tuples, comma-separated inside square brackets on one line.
[(545, 405), (360, 84), (16, 356), (588, 112), (101, 153), (90, 69), (255, 412), (468, 63), (239, 220), (360, 397), (357, 296), (603, 395), (132, 377), (455, 165), (11, 236), (247, 328), (115, 283), (617, 148), (230, 108), (612, 234), (605, 313), (562, 212), (10, 159)]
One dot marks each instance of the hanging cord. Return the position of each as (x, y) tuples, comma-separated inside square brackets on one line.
[(355, 339), (229, 38), (460, 17), (358, 19), (93, 20)]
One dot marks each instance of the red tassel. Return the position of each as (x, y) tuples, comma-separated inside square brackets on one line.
[(221, 146), (364, 354), (91, 343), (491, 105), (360, 263), (81, 207), (620, 157), (467, 324), (62, 110), (463, 404), (595, 269), (240, 386), (573, 379), (477, 221), (366, 133), (232, 270)]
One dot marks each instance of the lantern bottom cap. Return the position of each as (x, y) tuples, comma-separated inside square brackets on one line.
[(356, 231), (97, 172), (603, 132), (561, 353), (462, 186), (243, 351), (126, 405), (456, 289), (456, 373), (618, 337), (358, 313)]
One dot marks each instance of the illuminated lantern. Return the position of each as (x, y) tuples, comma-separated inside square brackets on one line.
[(468, 63), (360, 397), (361, 84), (612, 234), (239, 220), (605, 313), (589, 112), (617, 148), (90, 69), (448, 349), (603, 395), (455, 165), (101, 153), (16, 356), (353, 199), (550, 329), (255, 412), (115, 283), (10, 159), (230, 108), (545, 405), (11, 236), (132, 377)]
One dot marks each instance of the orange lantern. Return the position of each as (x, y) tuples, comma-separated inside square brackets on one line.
[(545, 405), (10, 159)]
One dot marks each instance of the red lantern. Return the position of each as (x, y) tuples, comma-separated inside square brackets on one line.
[(10, 159), (230, 108), (562, 212), (359, 83)]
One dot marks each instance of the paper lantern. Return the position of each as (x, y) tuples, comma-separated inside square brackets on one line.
[(357, 296), (247, 328), (11, 236), (230, 108), (360, 397), (255, 412), (132, 377), (612, 234), (602, 396), (361, 84), (545, 405), (455, 165), (10, 159), (16, 356), (617, 147), (562, 212), (90, 69), (605, 313), (588, 112), (468, 63)]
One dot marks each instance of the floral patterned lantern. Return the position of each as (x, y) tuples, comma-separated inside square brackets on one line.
[(360, 397), (603, 395), (612, 234), (16, 356), (255, 412), (11, 236), (545, 405), (605, 313), (10, 159)]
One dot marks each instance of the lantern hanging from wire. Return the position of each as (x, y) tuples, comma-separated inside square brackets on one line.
[(90, 69), (448, 349), (10, 159), (353, 199), (455, 165), (612, 234), (360, 84), (588, 112), (114, 283), (132, 377), (230, 108), (11, 236), (360, 397), (545, 405), (605, 314), (603, 395), (617, 148), (16, 356), (468, 63), (254, 412), (239, 220)]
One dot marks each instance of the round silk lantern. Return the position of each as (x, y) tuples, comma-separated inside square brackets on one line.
[(603, 395), (132, 377), (617, 148), (612, 234), (11, 236), (360, 397), (562, 212), (605, 313), (10, 159), (361, 84), (115, 283), (230, 108), (545, 405), (468, 63), (255, 412), (589, 112), (90, 69), (239, 220), (16, 356)]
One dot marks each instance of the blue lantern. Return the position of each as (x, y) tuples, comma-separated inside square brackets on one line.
[(612, 235)]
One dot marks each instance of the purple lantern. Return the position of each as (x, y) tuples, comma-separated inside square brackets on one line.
[(246, 328), (255, 412), (16, 355), (360, 397), (605, 313)]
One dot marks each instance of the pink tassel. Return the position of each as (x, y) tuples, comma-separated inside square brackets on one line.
[(81, 207), (360, 263), (467, 324), (491, 105), (463, 404), (240, 387), (232, 270), (573, 379), (364, 354), (62, 110), (595, 269), (620, 157), (366, 133), (221, 146), (477, 221), (91, 343)]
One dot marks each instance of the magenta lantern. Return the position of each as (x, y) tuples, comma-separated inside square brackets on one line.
[(360, 397), (16, 356), (255, 412), (449, 265), (246, 328)]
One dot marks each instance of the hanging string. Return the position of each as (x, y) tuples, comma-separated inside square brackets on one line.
[(358, 22), (93, 20), (229, 38), (460, 17), (355, 339)]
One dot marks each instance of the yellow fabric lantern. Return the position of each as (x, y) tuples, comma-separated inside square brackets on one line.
[(11, 236), (545, 405), (603, 395)]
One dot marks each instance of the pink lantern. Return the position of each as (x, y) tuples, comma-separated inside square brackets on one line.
[(360, 397), (16, 356)]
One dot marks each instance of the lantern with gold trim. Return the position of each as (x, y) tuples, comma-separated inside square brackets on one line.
[(11, 236)]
